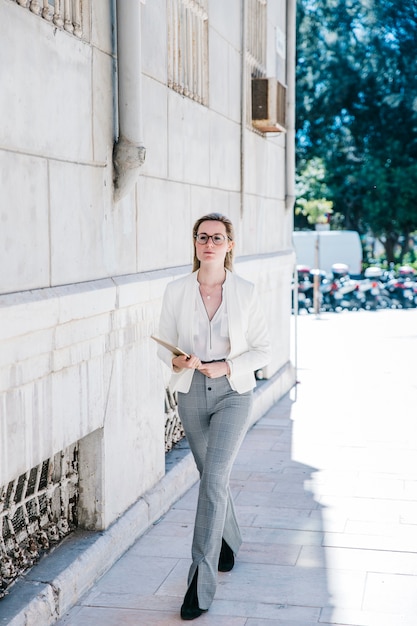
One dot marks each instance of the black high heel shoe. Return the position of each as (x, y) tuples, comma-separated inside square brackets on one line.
[(226, 558), (190, 609)]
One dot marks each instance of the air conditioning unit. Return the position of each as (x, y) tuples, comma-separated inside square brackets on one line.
[(268, 105)]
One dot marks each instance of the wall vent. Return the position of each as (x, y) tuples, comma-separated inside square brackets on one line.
[(268, 105), (37, 510), (174, 430)]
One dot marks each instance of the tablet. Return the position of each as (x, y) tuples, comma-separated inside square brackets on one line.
[(169, 346)]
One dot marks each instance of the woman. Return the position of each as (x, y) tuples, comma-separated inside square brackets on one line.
[(215, 317)]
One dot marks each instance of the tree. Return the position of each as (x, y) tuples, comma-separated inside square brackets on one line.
[(387, 204), (312, 207), (357, 109)]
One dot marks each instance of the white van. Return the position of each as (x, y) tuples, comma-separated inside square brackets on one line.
[(329, 247)]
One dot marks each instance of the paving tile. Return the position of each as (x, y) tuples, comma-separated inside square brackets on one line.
[(272, 476), (409, 517), (169, 604), (264, 438), (349, 617), (382, 529), (272, 553), (175, 584), (169, 529), (346, 587), (274, 613), (359, 560), (164, 546), (255, 621), (246, 515), (282, 536), (312, 557), (255, 486), (331, 519), (241, 475), (189, 500), (180, 515), (387, 487), (290, 483), (87, 616), (410, 489), (279, 584), (276, 499), (334, 483), (299, 522), (391, 593), (269, 460), (371, 542), (136, 575), (369, 509)]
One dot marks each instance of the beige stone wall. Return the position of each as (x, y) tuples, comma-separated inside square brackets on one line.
[(81, 278)]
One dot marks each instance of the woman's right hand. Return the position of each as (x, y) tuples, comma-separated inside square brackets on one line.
[(182, 362)]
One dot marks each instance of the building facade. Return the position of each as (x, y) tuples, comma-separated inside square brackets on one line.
[(122, 122)]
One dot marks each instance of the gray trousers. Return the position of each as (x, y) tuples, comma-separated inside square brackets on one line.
[(215, 420)]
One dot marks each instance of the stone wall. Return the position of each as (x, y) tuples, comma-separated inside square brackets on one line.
[(81, 277)]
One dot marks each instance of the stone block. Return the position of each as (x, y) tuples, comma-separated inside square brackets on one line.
[(24, 258)]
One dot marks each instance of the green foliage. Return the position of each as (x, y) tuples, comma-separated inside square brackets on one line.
[(356, 111), (392, 191), (310, 183), (316, 211), (311, 191)]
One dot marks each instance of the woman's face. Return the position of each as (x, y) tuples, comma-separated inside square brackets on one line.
[(210, 252)]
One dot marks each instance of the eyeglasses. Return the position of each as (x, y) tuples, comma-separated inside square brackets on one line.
[(217, 238)]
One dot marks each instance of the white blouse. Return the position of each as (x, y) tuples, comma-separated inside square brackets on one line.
[(211, 337)]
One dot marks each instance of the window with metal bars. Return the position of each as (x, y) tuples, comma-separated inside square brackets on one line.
[(188, 48), (255, 53), (256, 36), (65, 14)]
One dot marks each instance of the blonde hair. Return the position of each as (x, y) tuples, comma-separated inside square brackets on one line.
[(215, 217)]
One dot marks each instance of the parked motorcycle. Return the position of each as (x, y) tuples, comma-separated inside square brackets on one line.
[(348, 294), (304, 289), (373, 290), (328, 291), (402, 288)]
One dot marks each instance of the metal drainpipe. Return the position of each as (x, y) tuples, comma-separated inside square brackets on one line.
[(290, 134), (129, 151), (243, 113)]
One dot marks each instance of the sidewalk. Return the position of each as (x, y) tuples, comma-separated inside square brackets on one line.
[(325, 486)]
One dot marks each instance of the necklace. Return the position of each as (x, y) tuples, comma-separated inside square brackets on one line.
[(210, 291), (213, 290)]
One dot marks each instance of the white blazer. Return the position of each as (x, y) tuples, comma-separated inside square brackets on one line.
[(249, 341)]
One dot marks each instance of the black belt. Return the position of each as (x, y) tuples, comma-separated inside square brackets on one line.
[(215, 361)]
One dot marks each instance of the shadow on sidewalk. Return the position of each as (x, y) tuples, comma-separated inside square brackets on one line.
[(281, 568)]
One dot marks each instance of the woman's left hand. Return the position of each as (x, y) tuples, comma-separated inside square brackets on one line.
[(214, 370)]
